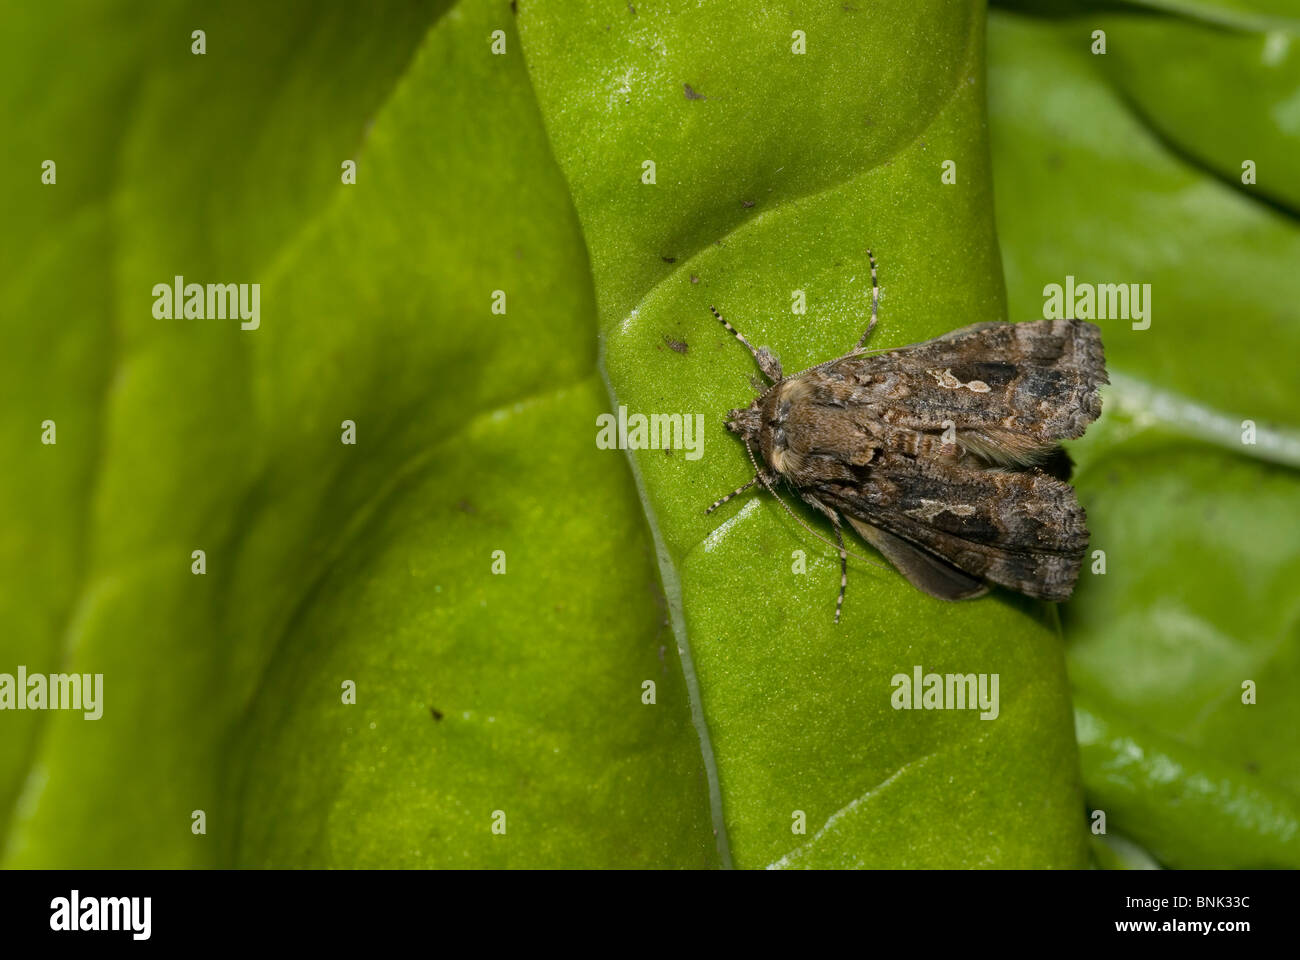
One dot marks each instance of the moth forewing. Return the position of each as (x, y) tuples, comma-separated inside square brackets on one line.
[(940, 454)]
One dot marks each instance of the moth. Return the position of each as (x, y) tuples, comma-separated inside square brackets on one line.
[(944, 455)]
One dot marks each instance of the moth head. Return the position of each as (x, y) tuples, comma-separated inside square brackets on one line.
[(747, 421)]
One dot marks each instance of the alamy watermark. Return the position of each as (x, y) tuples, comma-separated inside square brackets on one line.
[(658, 431), (77, 913), (1100, 301), (213, 301), (946, 691), (53, 691)]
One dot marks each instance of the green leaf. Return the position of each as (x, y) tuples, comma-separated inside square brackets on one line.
[(774, 171), (326, 562), (1108, 172), (1256, 15), (1248, 15)]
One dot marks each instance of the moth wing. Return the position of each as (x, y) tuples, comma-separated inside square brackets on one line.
[(924, 570), (1022, 530), (1012, 390)]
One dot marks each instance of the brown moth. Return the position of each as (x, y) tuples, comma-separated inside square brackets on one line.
[(943, 455)]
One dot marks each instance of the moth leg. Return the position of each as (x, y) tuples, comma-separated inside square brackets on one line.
[(734, 493), (844, 570), (768, 363), (875, 305), (844, 557)]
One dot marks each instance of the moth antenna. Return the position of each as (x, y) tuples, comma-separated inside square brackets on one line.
[(733, 331), (734, 493), (827, 363), (858, 350), (763, 364), (875, 305), (844, 570), (797, 519)]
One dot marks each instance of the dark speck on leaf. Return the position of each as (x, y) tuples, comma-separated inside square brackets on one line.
[(464, 506), (747, 203), (668, 259), (691, 94), (631, 9), (435, 713), (694, 278), (1252, 767), (680, 346)]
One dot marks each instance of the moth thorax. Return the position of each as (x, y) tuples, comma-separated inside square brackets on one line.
[(772, 440)]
